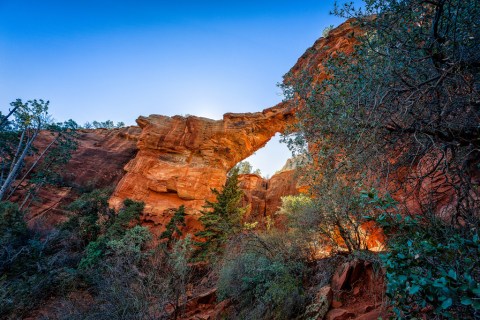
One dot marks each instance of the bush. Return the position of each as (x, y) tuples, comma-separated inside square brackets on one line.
[(33, 266), (263, 280), (335, 217), (432, 268), (116, 227), (87, 210)]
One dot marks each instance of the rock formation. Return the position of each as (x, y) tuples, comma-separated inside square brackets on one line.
[(180, 159), (97, 163), (339, 40), (263, 197)]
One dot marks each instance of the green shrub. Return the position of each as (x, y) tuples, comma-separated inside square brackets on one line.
[(87, 210), (172, 230), (432, 267), (262, 281), (33, 266), (116, 228)]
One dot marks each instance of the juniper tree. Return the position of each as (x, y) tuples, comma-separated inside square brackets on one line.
[(222, 218), (172, 230)]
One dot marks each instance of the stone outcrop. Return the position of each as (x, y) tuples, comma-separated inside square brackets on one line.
[(263, 197), (180, 159), (97, 163), (339, 40), (358, 289)]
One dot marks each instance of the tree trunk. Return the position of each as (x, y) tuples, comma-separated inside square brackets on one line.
[(13, 173), (32, 166)]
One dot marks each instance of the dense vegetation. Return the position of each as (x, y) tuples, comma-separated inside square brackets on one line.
[(392, 135), (400, 116)]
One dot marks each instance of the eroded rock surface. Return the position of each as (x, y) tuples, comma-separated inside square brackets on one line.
[(97, 163), (263, 197), (181, 158)]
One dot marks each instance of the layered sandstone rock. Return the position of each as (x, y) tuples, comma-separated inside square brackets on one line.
[(181, 158), (339, 40), (263, 197), (97, 163)]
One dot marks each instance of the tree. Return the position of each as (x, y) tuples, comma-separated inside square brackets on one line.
[(245, 167), (401, 113), (327, 30), (172, 230), (18, 137), (404, 106), (108, 124), (221, 219)]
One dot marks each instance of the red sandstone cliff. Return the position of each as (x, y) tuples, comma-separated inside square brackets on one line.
[(263, 197), (180, 159), (97, 163)]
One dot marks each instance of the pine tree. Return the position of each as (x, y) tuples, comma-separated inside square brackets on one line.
[(221, 219), (172, 230)]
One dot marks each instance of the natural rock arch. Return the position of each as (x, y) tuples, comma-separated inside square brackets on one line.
[(180, 159)]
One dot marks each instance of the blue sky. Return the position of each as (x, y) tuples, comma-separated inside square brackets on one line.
[(99, 60)]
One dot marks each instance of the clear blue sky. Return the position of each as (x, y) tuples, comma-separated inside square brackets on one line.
[(99, 60)]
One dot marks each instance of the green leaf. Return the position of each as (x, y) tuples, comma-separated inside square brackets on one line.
[(466, 301), (452, 274), (447, 303), (476, 304), (414, 289), (402, 278)]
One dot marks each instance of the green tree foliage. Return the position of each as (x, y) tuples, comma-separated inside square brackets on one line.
[(221, 219), (335, 217), (245, 167), (327, 30), (409, 91), (33, 265), (86, 212), (96, 249), (432, 266), (17, 137), (180, 272), (172, 230), (18, 133), (404, 107), (115, 228), (103, 125), (263, 275), (132, 281)]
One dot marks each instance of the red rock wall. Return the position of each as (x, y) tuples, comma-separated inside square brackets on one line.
[(263, 197), (97, 163), (181, 158)]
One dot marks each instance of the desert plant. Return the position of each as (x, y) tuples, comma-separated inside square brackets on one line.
[(172, 230), (432, 268), (263, 276), (221, 219)]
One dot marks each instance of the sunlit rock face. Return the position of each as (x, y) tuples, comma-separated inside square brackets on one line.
[(180, 159), (339, 40), (263, 197)]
